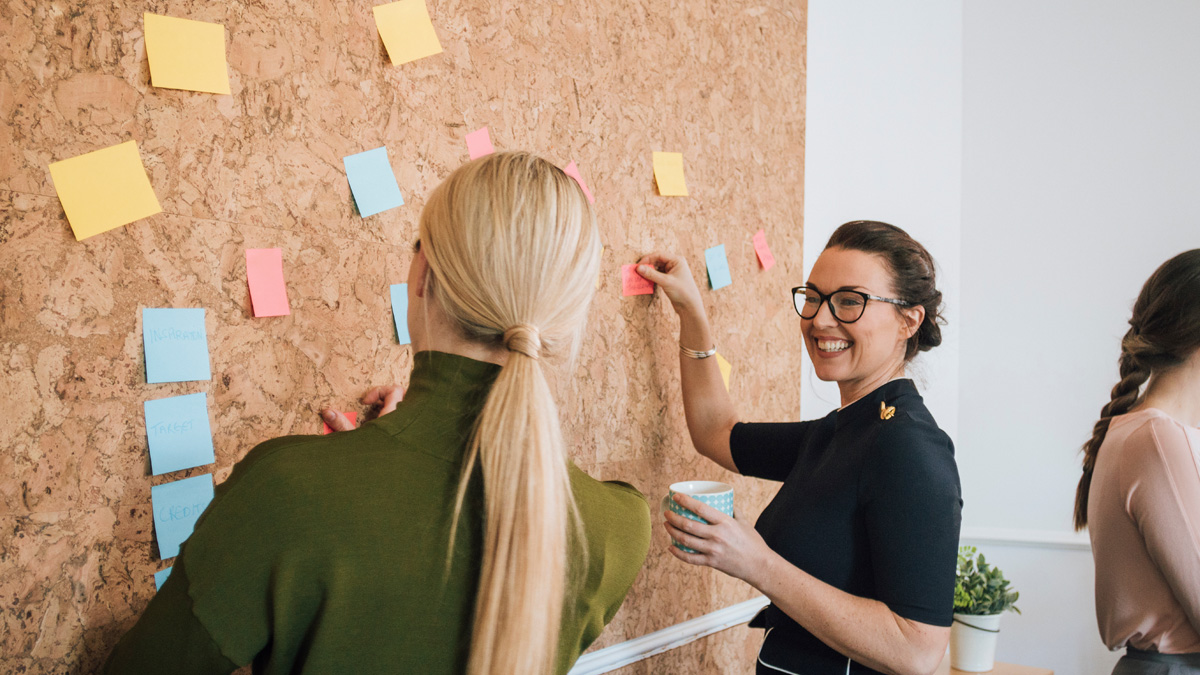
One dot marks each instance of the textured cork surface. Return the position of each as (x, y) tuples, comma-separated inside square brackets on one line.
[(604, 84)]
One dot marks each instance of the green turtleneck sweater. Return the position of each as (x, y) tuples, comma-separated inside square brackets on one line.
[(327, 554)]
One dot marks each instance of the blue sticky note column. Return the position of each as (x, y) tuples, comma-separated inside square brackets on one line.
[(176, 507), (718, 267), (178, 432), (160, 578), (372, 182), (176, 345), (400, 312)]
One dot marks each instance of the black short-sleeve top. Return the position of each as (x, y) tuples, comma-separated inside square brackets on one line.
[(869, 505)]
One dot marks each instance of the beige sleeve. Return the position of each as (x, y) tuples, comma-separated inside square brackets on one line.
[(1163, 487)]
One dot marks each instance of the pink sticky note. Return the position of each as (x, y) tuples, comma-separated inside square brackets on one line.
[(479, 143), (352, 416), (764, 252), (264, 272), (633, 283), (573, 172)]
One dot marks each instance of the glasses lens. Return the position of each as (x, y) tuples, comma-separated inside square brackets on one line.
[(807, 302), (847, 305)]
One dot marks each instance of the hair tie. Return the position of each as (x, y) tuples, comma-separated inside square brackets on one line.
[(523, 339)]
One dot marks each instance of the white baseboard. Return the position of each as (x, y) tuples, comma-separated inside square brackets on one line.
[(630, 651), (1077, 541)]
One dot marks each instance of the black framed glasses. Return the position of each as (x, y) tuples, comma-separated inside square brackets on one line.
[(847, 306)]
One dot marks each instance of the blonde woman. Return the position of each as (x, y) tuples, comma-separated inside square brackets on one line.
[(451, 534)]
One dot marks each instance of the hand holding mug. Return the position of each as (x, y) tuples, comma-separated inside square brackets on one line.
[(720, 541)]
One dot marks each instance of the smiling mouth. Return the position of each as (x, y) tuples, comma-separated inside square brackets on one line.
[(833, 346)]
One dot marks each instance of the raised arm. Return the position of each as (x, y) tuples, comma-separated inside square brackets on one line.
[(706, 404)]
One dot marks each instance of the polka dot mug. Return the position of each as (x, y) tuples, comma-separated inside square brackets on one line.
[(717, 495)]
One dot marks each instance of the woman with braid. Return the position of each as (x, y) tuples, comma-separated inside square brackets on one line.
[(1139, 495), (451, 534)]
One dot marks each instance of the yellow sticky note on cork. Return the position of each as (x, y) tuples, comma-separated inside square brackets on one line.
[(726, 369), (105, 189), (186, 54), (406, 30), (668, 173)]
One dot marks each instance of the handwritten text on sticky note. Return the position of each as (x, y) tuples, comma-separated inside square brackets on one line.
[(633, 283), (178, 433), (763, 251), (264, 274), (668, 174), (104, 189), (407, 30), (176, 345), (185, 54), (718, 267), (177, 506)]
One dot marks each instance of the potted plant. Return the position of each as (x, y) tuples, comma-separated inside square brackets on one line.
[(981, 594)]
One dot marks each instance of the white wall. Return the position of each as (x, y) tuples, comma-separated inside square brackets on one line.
[(1046, 153), (884, 142)]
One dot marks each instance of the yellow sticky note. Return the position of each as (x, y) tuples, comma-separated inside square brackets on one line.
[(406, 30), (104, 189), (186, 54), (725, 370), (668, 173)]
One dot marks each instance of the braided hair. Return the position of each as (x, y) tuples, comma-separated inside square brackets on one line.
[(1163, 333)]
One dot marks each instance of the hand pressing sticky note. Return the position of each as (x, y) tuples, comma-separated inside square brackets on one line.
[(406, 30), (177, 506), (479, 143), (178, 433), (718, 267), (400, 312), (726, 369), (264, 275), (186, 54), (104, 189), (573, 172), (160, 578), (352, 416), (633, 283), (372, 182), (668, 174), (176, 345), (763, 251)]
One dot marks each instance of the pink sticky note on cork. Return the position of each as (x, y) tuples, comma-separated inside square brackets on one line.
[(352, 416), (573, 172), (264, 273), (764, 252), (633, 283), (479, 143)]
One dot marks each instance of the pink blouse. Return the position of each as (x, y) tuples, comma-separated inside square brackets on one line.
[(1144, 521)]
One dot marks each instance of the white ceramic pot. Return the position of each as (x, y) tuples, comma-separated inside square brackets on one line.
[(973, 642)]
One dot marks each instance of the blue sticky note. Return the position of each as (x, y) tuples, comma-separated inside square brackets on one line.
[(160, 578), (178, 431), (176, 345), (400, 312), (718, 267), (176, 507), (372, 182)]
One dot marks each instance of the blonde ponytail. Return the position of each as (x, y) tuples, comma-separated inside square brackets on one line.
[(513, 249)]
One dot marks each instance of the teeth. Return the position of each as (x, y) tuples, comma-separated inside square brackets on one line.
[(833, 345)]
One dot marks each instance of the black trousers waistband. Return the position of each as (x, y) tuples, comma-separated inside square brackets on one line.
[(1192, 660)]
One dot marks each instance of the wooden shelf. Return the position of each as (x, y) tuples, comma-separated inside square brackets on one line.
[(999, 669)]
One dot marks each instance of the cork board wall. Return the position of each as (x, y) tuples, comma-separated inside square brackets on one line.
[(602, 83)]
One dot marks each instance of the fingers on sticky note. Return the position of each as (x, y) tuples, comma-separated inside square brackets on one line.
[(668, 174), (765, 258), (185, 54), (178, 433), (633, 283), (718, 267), (176, 345), (406, 30), (177, 506), (264, 275), (573, 172), (479, 143), (104, 189), (352, 416), (399, 293), (372, 182)]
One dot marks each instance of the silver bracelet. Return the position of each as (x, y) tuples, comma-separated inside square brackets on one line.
[(693, 354)]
